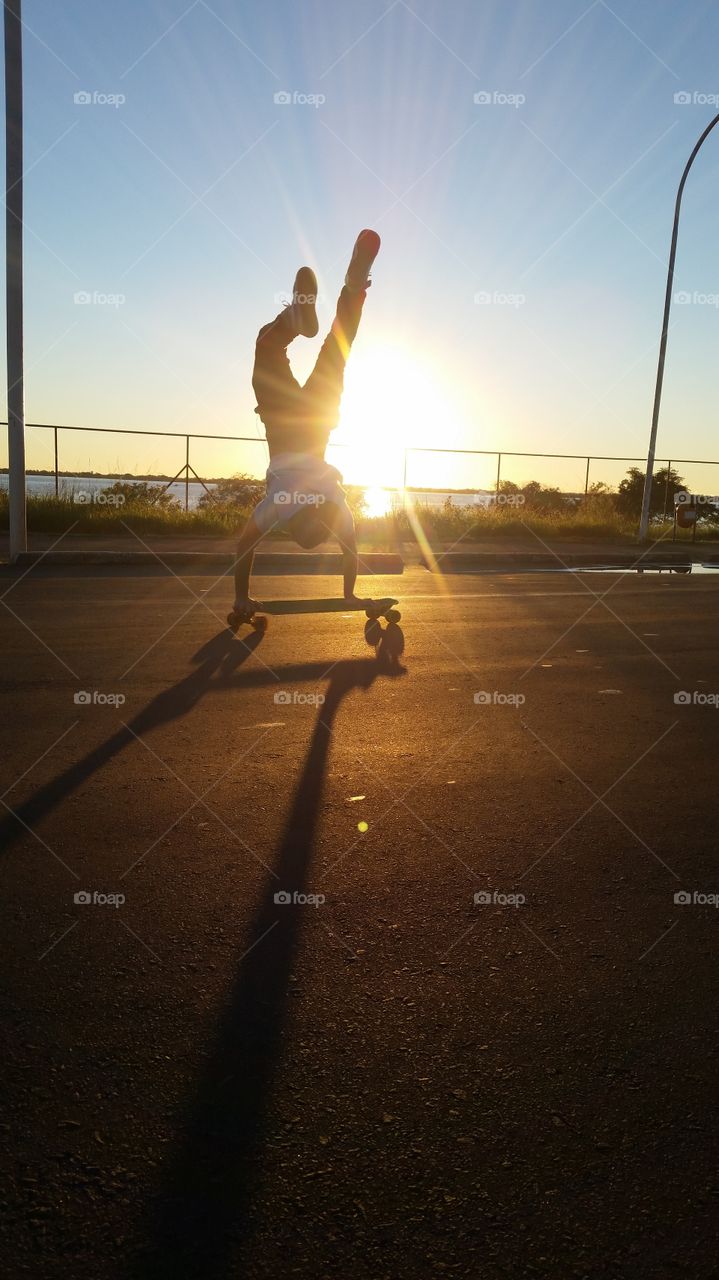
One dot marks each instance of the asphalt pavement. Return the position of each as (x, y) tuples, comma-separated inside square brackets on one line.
[(326, 958)]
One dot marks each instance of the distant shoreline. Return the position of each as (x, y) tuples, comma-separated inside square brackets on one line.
[(129, 475)]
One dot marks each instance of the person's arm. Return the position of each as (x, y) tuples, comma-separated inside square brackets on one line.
[(249, 538)]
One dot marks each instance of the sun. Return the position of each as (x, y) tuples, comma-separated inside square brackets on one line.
[(392, 400), (377, 501)]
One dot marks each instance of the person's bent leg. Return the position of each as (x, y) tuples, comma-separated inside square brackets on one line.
[(273, 381)]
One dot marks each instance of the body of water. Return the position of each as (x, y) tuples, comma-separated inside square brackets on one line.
[(90, 489)]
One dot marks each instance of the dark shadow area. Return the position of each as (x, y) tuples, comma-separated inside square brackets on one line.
[(215, 662), (205, 1211)]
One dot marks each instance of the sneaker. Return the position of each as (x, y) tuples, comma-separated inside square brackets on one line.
[(301, 311), (363, 255)]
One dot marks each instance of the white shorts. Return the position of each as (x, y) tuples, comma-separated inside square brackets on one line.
[(296, 481)]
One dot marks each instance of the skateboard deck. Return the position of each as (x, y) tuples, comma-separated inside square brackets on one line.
[(373, 609)]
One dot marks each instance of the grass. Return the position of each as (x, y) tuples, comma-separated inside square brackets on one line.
[(588, 522)]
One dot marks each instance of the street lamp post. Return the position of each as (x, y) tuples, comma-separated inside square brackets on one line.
[(14, 277), (646, 500)]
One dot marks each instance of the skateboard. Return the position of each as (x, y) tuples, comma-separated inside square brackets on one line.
[(373, 610)]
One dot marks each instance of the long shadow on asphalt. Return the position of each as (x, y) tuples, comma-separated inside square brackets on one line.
[(205, 1213), (216, 670), (215, 664)]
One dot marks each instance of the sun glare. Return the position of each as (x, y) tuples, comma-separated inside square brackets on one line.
[(378, 502), (391, 400)]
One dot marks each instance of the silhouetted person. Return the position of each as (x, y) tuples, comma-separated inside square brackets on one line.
[(304, 493)]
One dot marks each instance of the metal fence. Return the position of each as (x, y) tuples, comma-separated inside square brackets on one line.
[(187, 472)]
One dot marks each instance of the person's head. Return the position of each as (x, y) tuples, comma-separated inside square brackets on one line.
[(314, 524)]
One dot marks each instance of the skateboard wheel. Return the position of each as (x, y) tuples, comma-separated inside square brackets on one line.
[(259, 622), (393, 615), (372, 614), (233, 621), (373, 631)]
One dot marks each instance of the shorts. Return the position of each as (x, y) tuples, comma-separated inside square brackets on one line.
[(296, 481)]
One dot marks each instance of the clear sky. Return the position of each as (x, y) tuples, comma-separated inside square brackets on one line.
[(196, 198)]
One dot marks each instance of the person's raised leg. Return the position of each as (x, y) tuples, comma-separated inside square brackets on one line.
[(323, 388)]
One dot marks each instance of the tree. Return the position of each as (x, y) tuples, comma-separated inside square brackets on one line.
[(238, 491), (140, 493), (665, 483)]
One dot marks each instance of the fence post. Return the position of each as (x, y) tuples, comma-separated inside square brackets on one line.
[(57, 473), (499, 468), (187, 473)]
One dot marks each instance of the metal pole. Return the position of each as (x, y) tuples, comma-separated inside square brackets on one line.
[(57, 473), (586, 478), (666, 490), (404, 482), (499, 468), (14, 278), (646, 500), (187, 473)]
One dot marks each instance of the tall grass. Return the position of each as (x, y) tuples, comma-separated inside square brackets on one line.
[(441, 527)]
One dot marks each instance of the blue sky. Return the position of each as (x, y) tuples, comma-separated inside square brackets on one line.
[(197, 197)]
